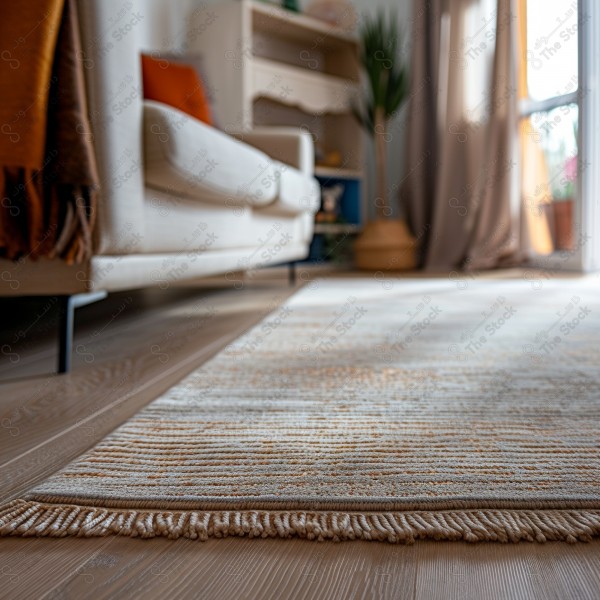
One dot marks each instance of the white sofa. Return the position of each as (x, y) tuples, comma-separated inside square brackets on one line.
[(178, 200)]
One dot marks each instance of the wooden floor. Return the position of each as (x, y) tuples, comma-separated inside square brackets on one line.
[(129, 349)]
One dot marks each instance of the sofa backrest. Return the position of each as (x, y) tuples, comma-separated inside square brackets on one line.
[(114, 33)]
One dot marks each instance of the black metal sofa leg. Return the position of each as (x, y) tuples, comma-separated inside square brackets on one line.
[(67, 306), (292, 273)]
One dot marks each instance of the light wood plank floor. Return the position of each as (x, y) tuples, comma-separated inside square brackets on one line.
[(129, 349)]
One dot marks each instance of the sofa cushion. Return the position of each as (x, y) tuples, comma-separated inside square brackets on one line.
[(183, 225), (196, 60), (175, 84), (186, 157)]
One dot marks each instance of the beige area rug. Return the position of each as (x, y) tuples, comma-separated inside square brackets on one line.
[(363, 409)]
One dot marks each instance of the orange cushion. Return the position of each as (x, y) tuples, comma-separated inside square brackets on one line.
[(177, 85)]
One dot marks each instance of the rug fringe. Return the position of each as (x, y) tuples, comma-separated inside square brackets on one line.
[(30, 518)]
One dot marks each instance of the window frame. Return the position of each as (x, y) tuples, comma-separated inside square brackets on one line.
[(585, 257)]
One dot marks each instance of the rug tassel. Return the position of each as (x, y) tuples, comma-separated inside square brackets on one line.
[(30, 518)]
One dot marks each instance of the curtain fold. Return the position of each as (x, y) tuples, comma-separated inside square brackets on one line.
[(461, 195)]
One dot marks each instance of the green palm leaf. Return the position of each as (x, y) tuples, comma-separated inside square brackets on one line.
[(387, 79)]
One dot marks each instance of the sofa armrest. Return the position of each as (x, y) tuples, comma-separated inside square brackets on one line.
[(290, 145), (186, 157)]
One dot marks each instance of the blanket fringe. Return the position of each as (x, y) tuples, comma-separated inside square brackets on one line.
[(30, 518)]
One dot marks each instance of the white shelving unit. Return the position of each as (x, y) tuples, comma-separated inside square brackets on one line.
[(284, 68)]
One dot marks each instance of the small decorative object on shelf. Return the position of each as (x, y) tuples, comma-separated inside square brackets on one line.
[(385, 244), (330, 204), (291, 5), (331, 158), (339, 13)]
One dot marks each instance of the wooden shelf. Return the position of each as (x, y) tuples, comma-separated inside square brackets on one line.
[(296, 39), (298, 27), (337, 228), (313, 92), (336, 173)]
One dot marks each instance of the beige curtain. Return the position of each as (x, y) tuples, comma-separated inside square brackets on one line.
[(461, 194)]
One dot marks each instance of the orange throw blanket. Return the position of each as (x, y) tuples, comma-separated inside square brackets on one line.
[(48, 175)]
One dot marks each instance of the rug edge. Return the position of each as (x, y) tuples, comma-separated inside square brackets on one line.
[(27, 518)]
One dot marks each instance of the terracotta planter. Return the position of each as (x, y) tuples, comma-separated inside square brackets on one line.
[(385, 245), (563, 224)]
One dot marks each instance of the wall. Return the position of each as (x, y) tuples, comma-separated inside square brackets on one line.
[(168, 23)]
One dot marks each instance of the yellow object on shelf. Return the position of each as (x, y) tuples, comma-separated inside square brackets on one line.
[(331, 159)]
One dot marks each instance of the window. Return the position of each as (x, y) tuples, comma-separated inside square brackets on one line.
[(549, 121)]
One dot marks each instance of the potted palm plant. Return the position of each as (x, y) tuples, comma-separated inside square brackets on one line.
[(385, 243)]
